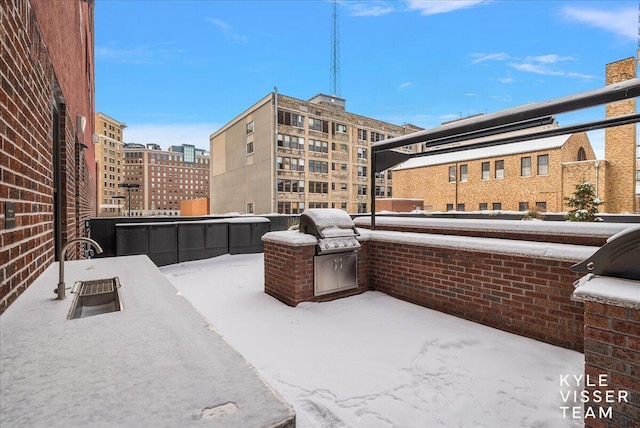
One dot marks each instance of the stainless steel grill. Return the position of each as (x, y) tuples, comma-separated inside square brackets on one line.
[(336, 261), (334, 229), (619, 257)]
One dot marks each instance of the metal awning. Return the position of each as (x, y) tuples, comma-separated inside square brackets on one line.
[(501, 122)]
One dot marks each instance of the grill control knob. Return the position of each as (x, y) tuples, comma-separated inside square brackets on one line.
[(335, 245)]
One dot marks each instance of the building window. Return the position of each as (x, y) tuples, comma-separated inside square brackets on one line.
[(525, 167), (543, 165), (380, 191), (523, 206), (249, 147), (582, 155), (483, 206), (362, 171), (463, 172), (452, 174), (376, 136), (486, 170), (460, 207), (318, 125), (318, 167), (318, 146), (340, 128), (542, 206), (362, 134), (449, 207), (499, 165), (250, 128), (496, 206), (287, 118), (362, 208), (362, 153)]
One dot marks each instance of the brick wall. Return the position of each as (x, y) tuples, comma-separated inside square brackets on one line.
[(29, 90), (523, 295), (620, 144), (288, 273)]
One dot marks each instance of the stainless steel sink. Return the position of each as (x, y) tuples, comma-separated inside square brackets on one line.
[(95, 297)]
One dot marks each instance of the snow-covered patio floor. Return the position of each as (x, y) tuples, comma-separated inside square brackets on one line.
[(375, 361)]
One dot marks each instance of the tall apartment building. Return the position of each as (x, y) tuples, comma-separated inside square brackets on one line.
[(155, 180), (109, 163), (284, 155)]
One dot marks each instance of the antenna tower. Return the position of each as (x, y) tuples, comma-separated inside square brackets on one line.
[(335, 52)]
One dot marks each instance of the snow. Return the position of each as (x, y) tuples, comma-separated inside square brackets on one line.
[(375, 361), (542, 227), (290, 237), (606, 289), (543, 250), (328, 217), (486, 152)]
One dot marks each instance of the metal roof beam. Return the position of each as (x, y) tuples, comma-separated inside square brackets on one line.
[(612, 93)]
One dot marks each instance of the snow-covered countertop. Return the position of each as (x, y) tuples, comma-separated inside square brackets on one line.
[(156, 363)]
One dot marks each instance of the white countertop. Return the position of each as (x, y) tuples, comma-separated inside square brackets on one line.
[(156, 363)]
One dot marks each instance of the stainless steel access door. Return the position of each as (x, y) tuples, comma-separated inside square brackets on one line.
[(335, 272)]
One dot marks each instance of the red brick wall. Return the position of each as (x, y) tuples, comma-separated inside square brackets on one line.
[(288, 274), (612, 348), (526, 296), (29, 89)]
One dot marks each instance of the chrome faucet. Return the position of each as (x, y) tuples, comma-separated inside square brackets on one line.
[(60, 291)]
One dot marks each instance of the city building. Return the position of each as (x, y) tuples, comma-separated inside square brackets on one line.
[(109, 163), (514, 177), (541, 173), (284, 155), (47, 154), (157, 181)]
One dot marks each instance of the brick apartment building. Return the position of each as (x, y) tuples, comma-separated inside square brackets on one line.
[(163, 178), (47, 166), (315, 155), (538, 173), (109, 163)]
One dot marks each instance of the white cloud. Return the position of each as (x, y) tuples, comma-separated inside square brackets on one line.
[(507, 79), (433, 7), (548, 65), (141, 54), (369, 8), (228, 32), (622, 22), (168, 134), (482, 57), (549, 59), (405, 85)]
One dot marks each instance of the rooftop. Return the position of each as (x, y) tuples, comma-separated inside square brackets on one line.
[(375, 361)]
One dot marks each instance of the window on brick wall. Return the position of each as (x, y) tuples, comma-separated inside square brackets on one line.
[(460, 207), (449, 207), (486, 170), (543, 165), (483, 206), (499, 166), (362, 134), (463, 172), (452, 174), (497, 206), (525, 166), (542, 206), (523, 206)]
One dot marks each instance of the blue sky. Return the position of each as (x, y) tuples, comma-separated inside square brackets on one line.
[(175, 71)]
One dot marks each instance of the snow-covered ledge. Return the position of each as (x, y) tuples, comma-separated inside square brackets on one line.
[(290, 237), (620, 292), (564, 252)]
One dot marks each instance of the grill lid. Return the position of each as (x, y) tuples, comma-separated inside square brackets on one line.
[(619, 257), (327, 223)]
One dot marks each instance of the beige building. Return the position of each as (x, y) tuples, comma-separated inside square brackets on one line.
[(284, 155), (109, 159), (512, 177), (157, 181), (621, 146)]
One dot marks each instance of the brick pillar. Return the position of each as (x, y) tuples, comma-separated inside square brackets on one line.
[(612, 352)]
